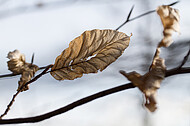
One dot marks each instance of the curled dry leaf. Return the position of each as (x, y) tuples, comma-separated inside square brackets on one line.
[(92, 51), (18, 65), (17, 60), (150, 82), (170, 20)]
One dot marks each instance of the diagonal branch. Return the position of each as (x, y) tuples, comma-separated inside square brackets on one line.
[(85, 100), (12, 74), (185, 59), (127, 19), (144, 14), (32, 60), (15, 95)]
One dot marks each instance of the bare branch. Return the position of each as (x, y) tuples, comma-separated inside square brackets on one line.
[(41, 5), (29, 82), (10, 104), (32, 60), (35, 7), (185, 59), (173, 3), (11, 75), (85, 100), (176, 71), (127, 18), (8, 75), (149, 12)]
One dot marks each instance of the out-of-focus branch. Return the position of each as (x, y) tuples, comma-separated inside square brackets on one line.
[(8, 75), (35, 7), (176, 71), (85, 100), (185, 59), (142, 15), (54, 4)]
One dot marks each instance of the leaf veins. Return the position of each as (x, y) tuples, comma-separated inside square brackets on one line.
[(92, 51)]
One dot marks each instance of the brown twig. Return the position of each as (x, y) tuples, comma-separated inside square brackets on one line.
[(29, 82), (32, 60), (8, 75), (127, 19), (10, 104), (11, 75), (144, 14), (184, 59), (85, 100)]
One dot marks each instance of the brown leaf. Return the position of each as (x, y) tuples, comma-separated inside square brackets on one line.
[(17, 65), (17, 60), (92, 51), (150, 82), (27, 75), (170, 20)]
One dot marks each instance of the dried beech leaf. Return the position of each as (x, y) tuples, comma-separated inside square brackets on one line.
[(92, 51), (27, 75), (150, 82), (17, 65), (17, 60), (170, 20)]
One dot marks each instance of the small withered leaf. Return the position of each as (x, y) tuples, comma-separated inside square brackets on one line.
[(18, 65), (170, 20), (27, 75), (150, 82), (92, 51), (17, 60)]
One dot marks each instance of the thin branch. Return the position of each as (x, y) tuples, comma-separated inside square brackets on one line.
[(176, 71), (127, 18), (173, 3), (35, 7), (11, 75), (70, 106), (10, 104), (184, 59), (41, 5), (85, 100), (149, 12), (29, 82), (32, 60), (8, 75)]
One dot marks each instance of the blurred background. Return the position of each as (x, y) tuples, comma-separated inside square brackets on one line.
[(45, 27)]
